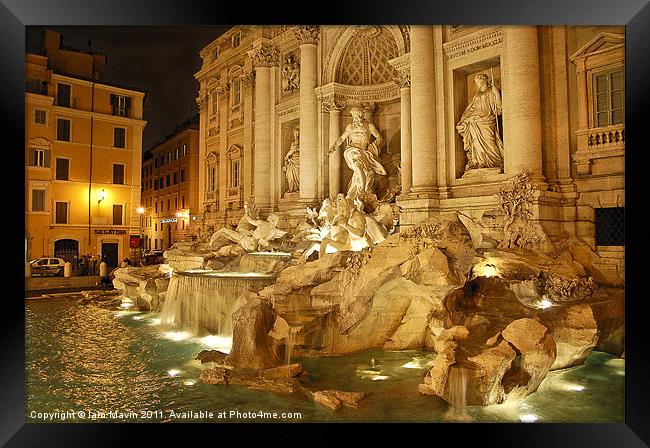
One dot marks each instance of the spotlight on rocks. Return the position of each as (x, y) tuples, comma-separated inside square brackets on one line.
[(173, 372), (528, 418)]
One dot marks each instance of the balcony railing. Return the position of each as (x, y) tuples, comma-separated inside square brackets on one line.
[(36, 86), (603, 138)]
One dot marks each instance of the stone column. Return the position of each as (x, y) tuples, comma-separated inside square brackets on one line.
[(404, 82), (334, 108), (522, 122), (307, 35), (223, 91), (423, 102), (263, 58), (202, 102)]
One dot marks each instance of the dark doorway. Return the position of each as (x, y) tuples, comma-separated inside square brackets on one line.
[(109, 250), (67, 249)]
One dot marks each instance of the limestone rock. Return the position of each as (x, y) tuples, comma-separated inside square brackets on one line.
[(335, 398), (252, 346), (607, 272), (436, 379), (220, 375), (536, 349), (610, 315), (575, 332), (492, 364), (211, 356), (184, 258), (288, 371)]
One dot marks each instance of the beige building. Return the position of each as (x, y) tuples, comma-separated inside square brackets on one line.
[(170, 187), (83, 151), (561, 118)]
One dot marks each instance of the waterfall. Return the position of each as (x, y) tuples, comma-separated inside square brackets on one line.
[(261, 261), (203, 303), (457, 392)]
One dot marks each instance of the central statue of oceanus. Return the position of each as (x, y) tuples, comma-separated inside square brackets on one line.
[(361, 154)]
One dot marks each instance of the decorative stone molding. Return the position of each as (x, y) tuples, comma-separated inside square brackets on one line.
[(486, 38), (357, 94), (223, 90), (290, 74), (306, 34), (330, 104), (202, 102), (405, 30), (402, 66), (266, 55), (248, 78)]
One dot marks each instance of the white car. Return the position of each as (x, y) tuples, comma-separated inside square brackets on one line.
[(47, 266)]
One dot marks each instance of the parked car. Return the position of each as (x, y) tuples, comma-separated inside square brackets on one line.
[(47, 266), (153, 257)]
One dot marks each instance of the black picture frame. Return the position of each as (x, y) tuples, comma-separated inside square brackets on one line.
[(16, 14)]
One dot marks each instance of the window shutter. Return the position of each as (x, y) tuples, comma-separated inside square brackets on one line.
[(32, 157), (113, 104), (47, 158), (128, 106)]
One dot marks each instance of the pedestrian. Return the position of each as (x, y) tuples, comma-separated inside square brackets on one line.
[(98, 260), (82, 265)]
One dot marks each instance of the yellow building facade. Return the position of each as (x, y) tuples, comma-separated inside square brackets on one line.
[(170, 187), (83, 152)]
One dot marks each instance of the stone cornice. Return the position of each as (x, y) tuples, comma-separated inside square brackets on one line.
[(357, 94), (476, 41), (306, 34)]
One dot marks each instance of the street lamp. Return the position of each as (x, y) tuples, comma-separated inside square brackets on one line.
[(140, 211), (101, 196)]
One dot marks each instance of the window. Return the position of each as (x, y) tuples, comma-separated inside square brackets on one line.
[(234, 179), (175, 202), (212, 178), (182, 175), (63, 130), (161, 206), (236, 40), (216, 54), (214, 107), (62, 169), (121, 105), (38, 200), (236, 92), (162, 161), (155, 163), (608, 98), (176, 154), (119, 137), (169, 203), (155, 240), (61, 215), (155, 184), (118, 174), (183, 201), (175, 178), (63, 94), (169, 157), (40, 117), (167, 184), (610, 226), (117, 214), (156, 206), (184, 149), (39, 157)]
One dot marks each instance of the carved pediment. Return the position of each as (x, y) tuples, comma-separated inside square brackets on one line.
[(212, 157), (234, 149), (602, 43), (40, 142)]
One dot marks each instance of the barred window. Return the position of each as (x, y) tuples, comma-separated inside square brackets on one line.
[(610, 226)]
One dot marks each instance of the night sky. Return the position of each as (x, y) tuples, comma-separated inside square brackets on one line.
[(161, 60)]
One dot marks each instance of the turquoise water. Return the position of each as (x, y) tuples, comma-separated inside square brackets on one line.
[(117, 366)]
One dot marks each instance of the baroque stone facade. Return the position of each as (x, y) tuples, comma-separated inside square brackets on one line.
[(414, 83)]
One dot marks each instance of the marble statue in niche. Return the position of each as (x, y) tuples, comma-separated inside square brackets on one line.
[(290, 74), (479, 127), (291, 165), (361, 155)]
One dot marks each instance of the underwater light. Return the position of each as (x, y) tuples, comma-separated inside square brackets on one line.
[(544, 303), (489, 270), (126, 305), (176, 335), (213, 341), (412, 365), (138, 317), (379, 377), (189, 383), (528, 418), (173, 372), (575, 387)]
